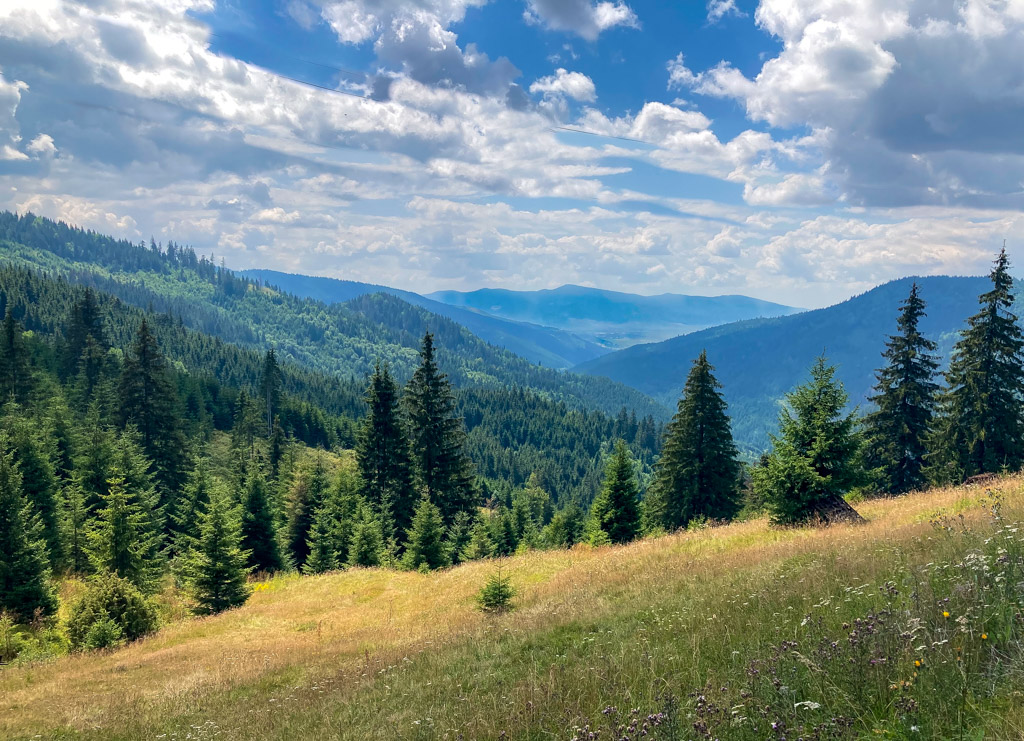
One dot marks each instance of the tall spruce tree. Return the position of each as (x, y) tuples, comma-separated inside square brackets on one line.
[(75, 518), (383, 454), (698, 472), (84, 335), (190, 507), (149, 401), (813, 461), (215, 566), (307, 497), (897, 432), (426, 548), (15, 370), (616, 510), (982, 426), (322, 543), (439, 438), (259, 533), (270, 389), (39, 483), (367, 545), (122, 540), (24, 570)]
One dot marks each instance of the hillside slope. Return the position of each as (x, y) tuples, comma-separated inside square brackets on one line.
[(662, 625), (758, 361), (547, 346), (613, 318)]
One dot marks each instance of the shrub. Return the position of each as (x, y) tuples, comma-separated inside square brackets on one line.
[(110, 599), (497, 593)]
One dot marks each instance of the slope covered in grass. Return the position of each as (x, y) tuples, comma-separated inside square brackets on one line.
[(906, 627)]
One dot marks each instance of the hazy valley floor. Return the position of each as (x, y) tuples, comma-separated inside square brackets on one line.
[(651, 626)]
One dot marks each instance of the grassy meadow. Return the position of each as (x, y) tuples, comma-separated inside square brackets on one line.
[(907, 627)]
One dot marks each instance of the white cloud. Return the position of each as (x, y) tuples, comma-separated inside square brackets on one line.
[(575, 85), (718, 9), (581, 17)]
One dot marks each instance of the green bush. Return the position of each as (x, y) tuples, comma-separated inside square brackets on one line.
[(112, 600), (497, 593)]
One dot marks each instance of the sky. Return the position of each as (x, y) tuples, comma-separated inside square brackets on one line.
[(800, 151)]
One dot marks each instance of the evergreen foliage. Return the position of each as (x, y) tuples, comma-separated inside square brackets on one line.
[(425, 548), (259, 532), (982, 426), (497, 593), (122, 540), (322, 543), (307, 497), (24, 570), (897, 432), (215, 567), (438, 437), (615, 514), (111, 610), (698, 473), (813, 461), (367, 545)]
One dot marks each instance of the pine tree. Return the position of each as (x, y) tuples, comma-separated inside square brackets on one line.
[(39, 484), (307, 496), (190, 506), (270, 389), (480, 544), (276, 449), (425, 548), (982, 428), (367, 541), (84, 332), (457, 537), (322, 544), (15, 373), (259, 534), (149, 401), (813, 461), (24, 571), (92, 465), (74, 521), (439, 438), (121, 540), (215, 567), (897, 433), (616, 510), (383, 454), (698, 473)]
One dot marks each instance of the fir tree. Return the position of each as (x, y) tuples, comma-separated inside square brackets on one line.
[(270, 389), (383, 454), (121, 540), (259, 534), (92, 466), (425, 548), (457, 537), (698, 473), (896, 434), (616, 510), (39, 484), (190, 506), (322, 544), (813, 461), (215, 567), (276, 449), (480, 544), (439, 438), (367, 544), (15, 373), (84, 335), (307, 496), (566, 527), (148, 401), (982, 429), (74, 521), (24, 571)]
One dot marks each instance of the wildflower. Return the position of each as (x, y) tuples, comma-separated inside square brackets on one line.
[(945, 613), (984, 636), (917, 662)]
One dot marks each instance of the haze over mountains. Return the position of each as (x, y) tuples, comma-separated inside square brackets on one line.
[(611, 318)]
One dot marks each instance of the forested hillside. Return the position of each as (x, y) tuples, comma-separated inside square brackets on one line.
[(343, 339), (546, 346), (758, 361)]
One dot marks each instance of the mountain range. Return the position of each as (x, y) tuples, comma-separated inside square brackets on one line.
[(611, 318)]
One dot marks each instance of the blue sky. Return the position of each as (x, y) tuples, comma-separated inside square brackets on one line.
[(794, 150)]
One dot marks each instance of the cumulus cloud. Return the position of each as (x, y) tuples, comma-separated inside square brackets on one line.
[(575, 85), (581, 17), (719, 9)]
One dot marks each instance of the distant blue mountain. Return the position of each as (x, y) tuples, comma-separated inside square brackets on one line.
[(612, 318), (759, 361), (547, 346)]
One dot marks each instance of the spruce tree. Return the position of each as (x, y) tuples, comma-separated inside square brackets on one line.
[(24, 571), (616, 510), (270, 389), (149, 401), (480, 544), (438, 437), (190, 506), (698, 472), (74, 528), (383, 454), (897, 433), (39, 484), (121, 540), (367, 545), (322, 543), (92, 465), (307, 496), (15, 372), (814, 458), (215, 567), (982, 428), (457, 537), (259, 534), (83, 333), (425, 548)]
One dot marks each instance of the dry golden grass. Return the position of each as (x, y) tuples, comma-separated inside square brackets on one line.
[(334, 628)]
